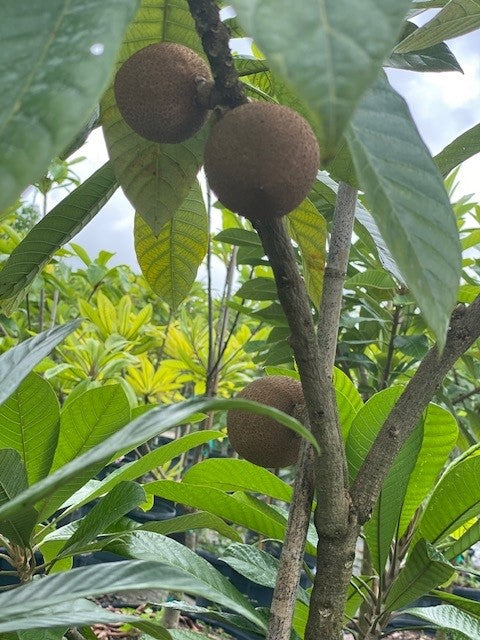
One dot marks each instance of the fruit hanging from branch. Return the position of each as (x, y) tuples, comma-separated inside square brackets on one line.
[(261, 160), (260, 439), (156, 92)]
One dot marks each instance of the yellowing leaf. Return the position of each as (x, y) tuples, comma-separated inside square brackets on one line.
[(309, 230), (170, 260)]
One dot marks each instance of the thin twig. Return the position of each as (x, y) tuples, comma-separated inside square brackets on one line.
[(393, 333), (463, 331), (211, 354), (466, 395)]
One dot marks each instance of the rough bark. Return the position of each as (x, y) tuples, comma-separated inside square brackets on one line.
[(215, 36), (291, 557), (463, 331), (334, 519)]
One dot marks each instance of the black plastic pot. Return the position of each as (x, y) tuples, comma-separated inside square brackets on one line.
[(161, 510), (467, 592), (239, 634)]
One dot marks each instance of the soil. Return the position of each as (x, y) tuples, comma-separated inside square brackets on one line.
[(407, 635)]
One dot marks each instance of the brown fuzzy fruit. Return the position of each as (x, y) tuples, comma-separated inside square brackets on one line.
[(262, 440), (261, 160), (156, 92)]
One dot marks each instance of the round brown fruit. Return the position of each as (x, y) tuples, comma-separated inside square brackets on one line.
[(262, 440), (261, 160), (156, 92)]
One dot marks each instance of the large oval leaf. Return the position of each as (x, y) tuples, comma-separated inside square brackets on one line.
[(144, 428), (238, 508), (449, 618), (16, 363), (156, 178), (455, 500), (459, 150), (80, 612), (425, 569), (170, 260), (146, 545), (456, 18), (85, 422), (330, 51), (309, 230), (57, 59), (238, 475), (13, 480), (29, 424), (382, 526), (440, 432), (149, 461), (58, 227), (408, 201)]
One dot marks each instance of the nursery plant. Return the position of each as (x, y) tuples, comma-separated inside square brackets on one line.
[(349, 251)]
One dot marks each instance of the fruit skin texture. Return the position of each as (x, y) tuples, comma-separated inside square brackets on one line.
[(262, 440), (261, 160), (156, 92)]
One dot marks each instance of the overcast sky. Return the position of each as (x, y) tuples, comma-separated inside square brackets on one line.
[(443, 106)]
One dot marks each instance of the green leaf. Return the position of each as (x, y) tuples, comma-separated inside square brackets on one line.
[(54, 230), (464, 604), (454, 501), (17, 362), (461, 149), (382, 526), (151, 460), (327, 189), (349, 401), (256, 565), (58, 57), (374, 278), (436, 58), (309, 230), (156, 178), (408, 201), (238, 475), (380, 530), (198, 520), (238, 508), (366, 426), (467, 540), (455, 19), (149, 546), (449, 618), (89, 419), (258, 289), (76, 613), (85, 422), (440, 433), (239, 237), (170, 260), (121, 499), (415, 346), (334, 60), (13, 480), (29, 424), (144, 428), (425, 569)]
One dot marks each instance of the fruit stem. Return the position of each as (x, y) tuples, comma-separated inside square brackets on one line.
[(215, 35)]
